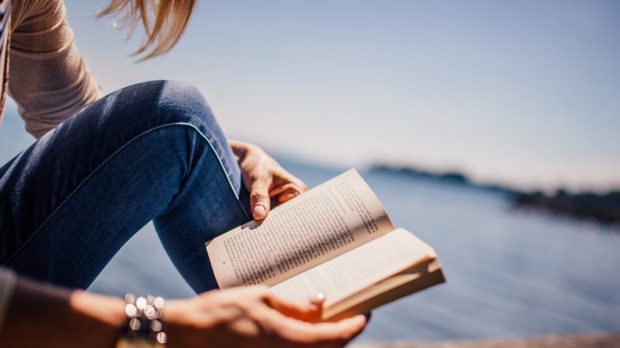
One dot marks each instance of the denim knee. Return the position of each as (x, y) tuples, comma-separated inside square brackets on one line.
[(147, 105), (182, 102), (133, 111)]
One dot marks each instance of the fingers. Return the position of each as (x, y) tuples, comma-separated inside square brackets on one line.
[(286, 186), (319, 300), (265, 179), (301, 332), (280, 185), (259, 196), (281, 194), (283, 322), (310, 311), (348, 328), (299, 185), (280, 189), (260, 312)]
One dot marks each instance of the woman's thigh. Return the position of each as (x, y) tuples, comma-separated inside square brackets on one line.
[(148, 151)]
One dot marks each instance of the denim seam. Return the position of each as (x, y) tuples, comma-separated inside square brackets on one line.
[(221, 162), (204, 136)]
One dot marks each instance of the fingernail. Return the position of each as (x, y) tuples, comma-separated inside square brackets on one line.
[(259, 211), (320, 296)]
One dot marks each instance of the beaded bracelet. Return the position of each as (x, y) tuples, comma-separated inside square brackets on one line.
[(144, 325)]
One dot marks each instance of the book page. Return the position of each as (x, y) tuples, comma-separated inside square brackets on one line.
[(416, 278), (328, 220), (357, 269)]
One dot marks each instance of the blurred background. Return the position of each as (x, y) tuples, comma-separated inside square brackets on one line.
[(491, 129)]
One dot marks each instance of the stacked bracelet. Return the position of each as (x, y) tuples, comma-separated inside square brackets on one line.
[(144, 325)]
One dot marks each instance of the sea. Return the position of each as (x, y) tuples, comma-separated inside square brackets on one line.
[(510, 272)]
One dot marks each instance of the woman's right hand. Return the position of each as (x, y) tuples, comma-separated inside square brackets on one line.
[(252, 316)]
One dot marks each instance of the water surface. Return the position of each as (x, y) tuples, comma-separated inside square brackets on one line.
[(510, 272)]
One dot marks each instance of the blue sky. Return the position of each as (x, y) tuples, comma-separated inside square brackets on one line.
[(525, 92)]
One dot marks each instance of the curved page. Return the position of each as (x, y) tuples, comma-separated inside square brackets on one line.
[(329, 220)]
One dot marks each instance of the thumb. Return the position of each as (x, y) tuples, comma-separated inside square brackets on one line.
[(259, 197)]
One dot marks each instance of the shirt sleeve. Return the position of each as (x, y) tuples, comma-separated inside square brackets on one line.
[(7, 285), (49, 80)]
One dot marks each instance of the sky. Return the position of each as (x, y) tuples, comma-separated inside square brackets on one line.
[(518, 92)]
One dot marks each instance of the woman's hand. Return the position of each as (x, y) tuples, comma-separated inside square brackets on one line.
[(236, 317), (266, 180), (252, 317)]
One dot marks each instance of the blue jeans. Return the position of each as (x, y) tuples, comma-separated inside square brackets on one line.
[(151, 151)]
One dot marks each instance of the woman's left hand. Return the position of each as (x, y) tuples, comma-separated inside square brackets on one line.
[(269, 184)]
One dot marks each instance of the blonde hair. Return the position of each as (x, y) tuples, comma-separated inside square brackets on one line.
[(163, 21)]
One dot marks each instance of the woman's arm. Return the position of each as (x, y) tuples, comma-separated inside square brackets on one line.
[(253, 317), (49, 80), (44, 316), (40, 315)]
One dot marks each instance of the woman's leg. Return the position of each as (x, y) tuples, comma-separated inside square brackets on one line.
[(148, 151)]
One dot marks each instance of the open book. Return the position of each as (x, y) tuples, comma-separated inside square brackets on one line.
[(336, 239)]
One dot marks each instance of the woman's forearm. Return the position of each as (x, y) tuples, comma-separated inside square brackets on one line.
[(44, 316)]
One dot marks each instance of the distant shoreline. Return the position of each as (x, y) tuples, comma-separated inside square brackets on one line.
[(600, 207)]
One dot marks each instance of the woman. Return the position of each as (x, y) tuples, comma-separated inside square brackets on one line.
[(102, 167)]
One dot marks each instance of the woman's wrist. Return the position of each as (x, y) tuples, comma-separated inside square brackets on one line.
[(105, 310), (101, 318)]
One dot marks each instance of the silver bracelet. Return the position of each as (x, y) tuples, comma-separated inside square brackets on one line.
[(144, 327)]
